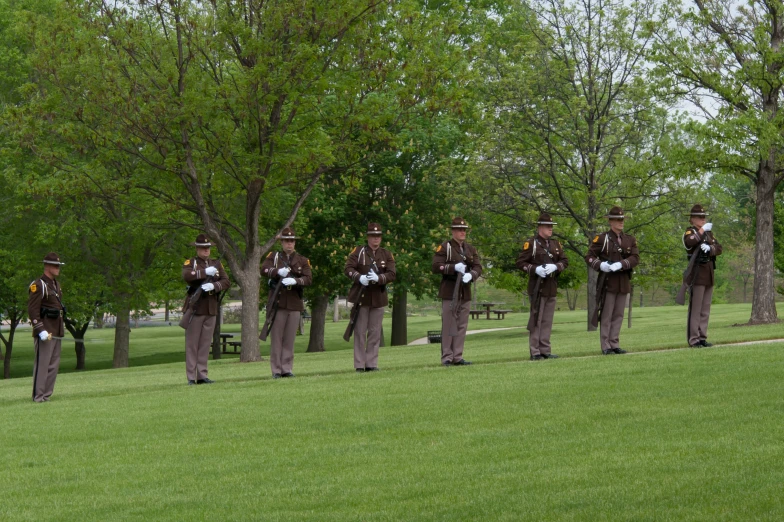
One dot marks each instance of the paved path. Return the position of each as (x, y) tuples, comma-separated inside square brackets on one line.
[(423, 340)]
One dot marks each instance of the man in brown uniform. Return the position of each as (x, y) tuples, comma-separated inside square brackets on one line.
[(293, 272), (542, 257), (46, 311), (459, 264), (700, 241), (616, 254), (371, 268), (201, 271)]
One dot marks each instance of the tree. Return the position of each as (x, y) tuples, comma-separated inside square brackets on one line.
[(725, 58), (572, 125)]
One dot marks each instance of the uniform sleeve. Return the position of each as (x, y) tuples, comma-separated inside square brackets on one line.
[(715, 247), (594, 250), (34, 299), (633, 259), (223, 278), (440, 266), (562, 262), (391, 274), (267, 267), (476, 266), (306, 279), (352, 264), (525, 259), (691, 238), (190, 274)]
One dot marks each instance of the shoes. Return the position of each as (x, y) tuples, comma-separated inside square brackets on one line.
[(618, 350), (205, 381), (360, 370), (446, 363), (191, 383), (373, 369), (287, 374), (549, 356), (608, 352), (696, 345), (276, 376), (461, 362), (705, 343), (536, 357)]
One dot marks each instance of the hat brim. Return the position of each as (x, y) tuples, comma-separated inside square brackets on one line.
[(202, 245), (47, 262), (703, 214), (460, 227), (613, 216), (288, 237), (374, 233), (546, 223)]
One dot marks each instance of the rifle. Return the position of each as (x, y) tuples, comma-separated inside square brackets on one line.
[(272, 306), (187, 315), (690, 271), (536, 299), (601, 294), (352, 322), (454, 306)]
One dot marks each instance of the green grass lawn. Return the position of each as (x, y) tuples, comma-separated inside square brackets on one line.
[(692, 434)]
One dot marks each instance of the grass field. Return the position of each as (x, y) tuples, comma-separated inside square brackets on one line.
[(660, 435)]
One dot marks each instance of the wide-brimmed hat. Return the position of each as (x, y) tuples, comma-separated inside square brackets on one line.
[(545, 219), (459, 222), (374, 229), (202, 241), (615, 213), (288, 233), (698, 211), (52, 259)]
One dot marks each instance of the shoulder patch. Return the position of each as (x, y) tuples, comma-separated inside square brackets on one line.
[(187, 262), (355, 250), (308, 262), (596, 239), (268, 255), (688, 231), (33, 287), (526, 245), (440, 247)]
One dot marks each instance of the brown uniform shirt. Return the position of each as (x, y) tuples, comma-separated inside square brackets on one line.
[(447, 256), (359, 263), (538, 252), (45, 293), (288, 298), (692, 240), (603, 248), (193, 273)]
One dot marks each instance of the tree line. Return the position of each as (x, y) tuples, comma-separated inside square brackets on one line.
[(126, 127)]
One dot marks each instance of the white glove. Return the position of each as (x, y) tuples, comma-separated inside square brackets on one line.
[(283, 272), (616, 266), (550, 268), (44, 336), (211, 271), (605, 267), (541, 271), (705, 248), (206, 287), (460, 267), (467, 277), (289, 281), (372, 276), (707, 227), (363, 279)]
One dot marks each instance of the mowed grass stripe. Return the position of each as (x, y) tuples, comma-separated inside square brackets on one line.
[(682, 435)]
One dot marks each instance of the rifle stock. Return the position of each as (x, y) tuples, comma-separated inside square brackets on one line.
[(352, 321), (688, 274), (533, 318), (601, 293), (272, 311)]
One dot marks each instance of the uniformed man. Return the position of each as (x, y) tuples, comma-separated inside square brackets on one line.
[(699, 240), (542, 258), (293, 272), (371, 268), (46, 312), (208, 275), (459, 264), (616, 254)]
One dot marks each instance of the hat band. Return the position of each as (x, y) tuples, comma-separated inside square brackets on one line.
[(546, 223), (615, 216), (47, 262), (203, 244)]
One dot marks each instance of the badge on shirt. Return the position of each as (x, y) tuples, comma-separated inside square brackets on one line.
[(596, 239), (33, 287), (187, 262), (526, 245)]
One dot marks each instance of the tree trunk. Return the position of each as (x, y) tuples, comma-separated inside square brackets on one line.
[(216, 344), (593, 276), (78, 333), (318, 320), (248, 281), (336, 311), (382, 342), (98, 320), (166, 311), (399, 317), (9, 346), (122, 338), (641, 298), (763, 299)]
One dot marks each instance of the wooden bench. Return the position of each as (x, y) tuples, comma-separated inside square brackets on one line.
[(476, 314), (235, 345), (434, 336), (306, 316), (500, 314)]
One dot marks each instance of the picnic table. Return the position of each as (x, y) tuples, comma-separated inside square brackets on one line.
[(488, 307), (235, 345)]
